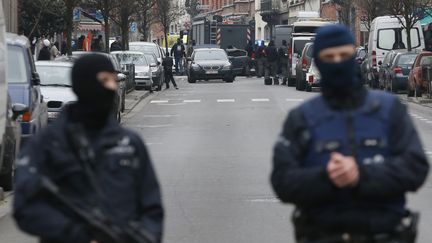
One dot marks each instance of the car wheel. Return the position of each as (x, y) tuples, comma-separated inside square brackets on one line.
[(191, 80), (308, 88), (291, 82), (159, 87), (6, 178), (418, 91), (229, 80)]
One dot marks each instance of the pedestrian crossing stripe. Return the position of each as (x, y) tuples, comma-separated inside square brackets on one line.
[(261, 100), (159, 101), (225, 100)]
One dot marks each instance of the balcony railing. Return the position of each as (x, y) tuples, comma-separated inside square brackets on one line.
[(270, 6)]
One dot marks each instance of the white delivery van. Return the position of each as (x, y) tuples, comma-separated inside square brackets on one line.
[(386, 34), (297, 45)]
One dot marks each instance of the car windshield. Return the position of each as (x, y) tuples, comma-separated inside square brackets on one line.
[(407, 59), (129, 58), (210, 55), (17, 68), (54, 75), (145, 48), (237, 53), (151, 58), (299, 45)]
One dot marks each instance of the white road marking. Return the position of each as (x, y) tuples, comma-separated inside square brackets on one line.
[(424, 119), (173, 104), (159, 116), (149, 144), (419, 117), (225, 100), (428, 152), (266, 200), (153, 126), (159, 101), (429, 122), (294, 100), (414, 115), (261, 100), (191, 101)]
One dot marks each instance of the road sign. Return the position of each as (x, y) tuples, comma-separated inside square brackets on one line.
[(134, 27), (77, 15)]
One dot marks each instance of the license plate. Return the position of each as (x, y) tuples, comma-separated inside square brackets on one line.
[(211, 72)]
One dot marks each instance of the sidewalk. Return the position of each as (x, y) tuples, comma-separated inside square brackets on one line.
[(421, 101), (133, 98)]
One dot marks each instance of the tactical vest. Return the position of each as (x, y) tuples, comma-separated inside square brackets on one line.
[(362, 133)]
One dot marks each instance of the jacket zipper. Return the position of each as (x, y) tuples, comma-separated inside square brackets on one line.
[(351, 135)]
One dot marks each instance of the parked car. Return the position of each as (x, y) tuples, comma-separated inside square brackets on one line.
[(416, 82), (360, 54), (386, 34), (364, 66), (313, 77), (240, 61), (157, 70), (397, 74), (297, 45), (24, 85), (142, 67), (385, 65), (56, 85), (303, 65), (208, 63), (147, 47), (10, 130)]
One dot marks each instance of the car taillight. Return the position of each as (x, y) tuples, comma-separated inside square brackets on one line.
[(397, 70), (290, 55), (374, 60), (26, 117), (304, 63), (311, 79)]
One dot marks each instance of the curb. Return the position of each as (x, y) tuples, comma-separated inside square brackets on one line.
[(422, 101), (136, 100)]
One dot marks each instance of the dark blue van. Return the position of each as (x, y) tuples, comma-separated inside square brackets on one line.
[(24, 85)]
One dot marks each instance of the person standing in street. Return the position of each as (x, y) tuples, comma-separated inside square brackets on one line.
[(168, 63), (283, 62), (178, 51), (260, 58), (54, 51), (347, 158), (271, 54), (116, 45), (96, 165), (250, 52), (45, 53)]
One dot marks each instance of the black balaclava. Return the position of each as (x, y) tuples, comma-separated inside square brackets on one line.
[(95, 102), (340, 82)]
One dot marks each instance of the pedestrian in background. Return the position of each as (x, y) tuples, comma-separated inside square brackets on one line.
[(347, 158), (116, 45), (54, 51), (44, 53), (260, 58), (178, 51), (97, 44), (272, 61), (97, 165), (283, 62), (168, 63), (250, 52)]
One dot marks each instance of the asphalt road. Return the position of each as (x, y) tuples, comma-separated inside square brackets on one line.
[(211, 144)]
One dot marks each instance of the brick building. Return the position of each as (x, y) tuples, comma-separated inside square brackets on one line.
[(10, 8)]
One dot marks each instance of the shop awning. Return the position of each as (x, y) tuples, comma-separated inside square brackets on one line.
[(90, 27)]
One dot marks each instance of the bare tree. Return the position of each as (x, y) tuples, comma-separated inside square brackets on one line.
[(145, 18), (167, 12), (70, 5), (123, 15), (106, 7), (371, 9), (406, 12)]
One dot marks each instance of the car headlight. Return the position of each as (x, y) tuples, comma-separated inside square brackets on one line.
[(195, 67), (227, 67)]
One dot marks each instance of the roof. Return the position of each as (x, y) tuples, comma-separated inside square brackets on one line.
[(126, 52), (17, 40), (54, 63), (312, 23), (208, 49)]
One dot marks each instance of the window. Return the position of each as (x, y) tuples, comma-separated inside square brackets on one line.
[(426, 60), (17, 68), (299, 45), (407, 59), (393, 39)]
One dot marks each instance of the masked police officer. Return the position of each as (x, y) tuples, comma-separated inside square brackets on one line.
[(347, 158), (94, 163)]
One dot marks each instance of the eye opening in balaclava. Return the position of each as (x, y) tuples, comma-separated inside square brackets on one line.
[(95, 102), (336, 77)]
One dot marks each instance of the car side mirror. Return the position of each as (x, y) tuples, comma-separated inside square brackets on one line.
[(18, 109), (380, 63), (153, 65), (35, 78), (121, 77)]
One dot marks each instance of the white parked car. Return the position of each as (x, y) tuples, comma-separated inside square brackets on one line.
[(313, 77)]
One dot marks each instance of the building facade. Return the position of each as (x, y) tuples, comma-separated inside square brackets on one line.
[(10, 8)]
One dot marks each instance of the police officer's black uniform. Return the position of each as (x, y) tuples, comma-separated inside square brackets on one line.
[(125, 187), (371, 126)]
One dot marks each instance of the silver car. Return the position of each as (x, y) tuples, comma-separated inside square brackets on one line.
[(143, 74)]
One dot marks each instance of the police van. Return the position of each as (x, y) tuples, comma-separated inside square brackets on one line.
[(386, 34)]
